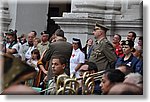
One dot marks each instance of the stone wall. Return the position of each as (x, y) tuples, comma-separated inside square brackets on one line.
[(120, 16)]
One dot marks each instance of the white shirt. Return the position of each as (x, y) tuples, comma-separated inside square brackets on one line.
[(15, 46), (33, 63), (76, 58), (28, 53)]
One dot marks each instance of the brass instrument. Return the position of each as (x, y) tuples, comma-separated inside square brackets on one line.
[(60, 80), (66, 85), (71, 86), (88, 83)]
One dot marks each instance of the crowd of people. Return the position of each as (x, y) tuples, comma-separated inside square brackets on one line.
[(51, 56)]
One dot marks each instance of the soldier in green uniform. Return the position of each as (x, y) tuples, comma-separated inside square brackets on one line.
[(103, 53)]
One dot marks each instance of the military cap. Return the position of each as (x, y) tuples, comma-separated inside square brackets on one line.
[(100, 26), (127, 42), (11, 32), (45, 32)]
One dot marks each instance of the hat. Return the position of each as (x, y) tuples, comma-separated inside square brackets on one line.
[(127, 42), (76, 40), (45, 32), (11, 32), (100, 26)]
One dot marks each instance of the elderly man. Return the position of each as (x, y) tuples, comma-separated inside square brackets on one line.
[(26, 48), (103, 53)]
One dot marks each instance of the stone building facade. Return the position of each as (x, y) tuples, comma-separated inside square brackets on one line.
[(120, 16)]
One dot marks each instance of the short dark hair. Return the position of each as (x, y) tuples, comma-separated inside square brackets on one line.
[(141, 38), (119, 36), (91, 66), (61, 58), (115, 75), (134, 34), (36, 51), (35, 33), (59, 32)]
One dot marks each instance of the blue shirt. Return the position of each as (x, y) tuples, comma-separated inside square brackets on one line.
[(131, 62)]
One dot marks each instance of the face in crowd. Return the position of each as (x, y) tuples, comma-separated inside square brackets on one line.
[(57, 67)]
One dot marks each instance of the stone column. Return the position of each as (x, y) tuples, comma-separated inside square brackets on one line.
[(85, 13), (82, 18), (4, 17)]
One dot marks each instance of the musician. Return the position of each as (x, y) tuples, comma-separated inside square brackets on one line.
[(90, 67), (58, 66), (110, 78)]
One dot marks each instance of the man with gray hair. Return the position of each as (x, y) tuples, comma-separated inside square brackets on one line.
[(134, 78)]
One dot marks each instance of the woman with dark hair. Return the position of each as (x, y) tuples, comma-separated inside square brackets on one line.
[(88, 48), (110, 78), (77, 57), (128, 58)]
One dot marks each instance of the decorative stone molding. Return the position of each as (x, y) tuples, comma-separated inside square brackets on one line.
[(5, 17)]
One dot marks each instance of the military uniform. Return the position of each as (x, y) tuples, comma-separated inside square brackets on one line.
[(43, 46), (103, 54), (59, 47)]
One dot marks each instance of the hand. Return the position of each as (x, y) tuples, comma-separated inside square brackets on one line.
[(46, 72), (45, 79)]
